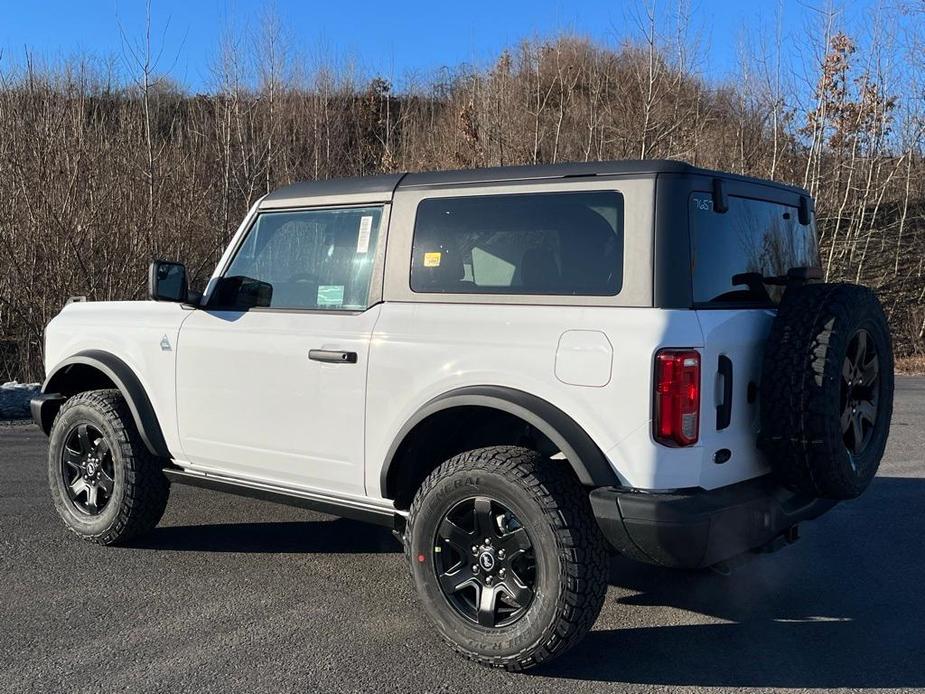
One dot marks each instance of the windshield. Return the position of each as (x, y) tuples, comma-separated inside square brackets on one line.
[(751, 236)]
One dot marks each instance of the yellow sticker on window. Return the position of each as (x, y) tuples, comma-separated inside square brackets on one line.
[(432, 259)]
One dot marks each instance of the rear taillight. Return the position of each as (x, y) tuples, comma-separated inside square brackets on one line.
[(677, 396)]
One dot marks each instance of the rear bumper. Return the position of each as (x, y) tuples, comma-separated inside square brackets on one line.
[(692, 529)]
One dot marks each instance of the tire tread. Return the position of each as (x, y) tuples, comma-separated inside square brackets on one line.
[(799, 379), (146, 488), (567, 508)]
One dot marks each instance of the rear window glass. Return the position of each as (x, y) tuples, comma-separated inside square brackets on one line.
[(751, 236), (568, 244)]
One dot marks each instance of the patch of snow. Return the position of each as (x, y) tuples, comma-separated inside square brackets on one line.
[(14, 399)]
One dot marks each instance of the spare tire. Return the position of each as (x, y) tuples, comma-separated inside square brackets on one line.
[(826, 394)]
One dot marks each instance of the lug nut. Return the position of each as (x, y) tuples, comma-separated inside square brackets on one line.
[(475, 568), (488, 580), (501, 573), (487, 540), (500, 554), (475, 550)]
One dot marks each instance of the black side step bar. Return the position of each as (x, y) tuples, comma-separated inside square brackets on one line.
[(366, 514)]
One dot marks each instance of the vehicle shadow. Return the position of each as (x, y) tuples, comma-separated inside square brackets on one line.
[(844, 607), (336, 536)]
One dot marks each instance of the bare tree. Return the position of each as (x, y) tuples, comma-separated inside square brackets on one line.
[(98, 172)]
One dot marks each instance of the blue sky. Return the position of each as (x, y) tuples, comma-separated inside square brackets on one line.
[(390, 39)]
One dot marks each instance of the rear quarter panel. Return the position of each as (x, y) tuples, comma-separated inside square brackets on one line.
[(422, 350)]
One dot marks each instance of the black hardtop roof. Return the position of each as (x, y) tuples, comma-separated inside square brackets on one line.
[(387, 184)]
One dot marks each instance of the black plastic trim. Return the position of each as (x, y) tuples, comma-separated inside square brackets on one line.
[(698, 528), (724, 409), (585, 458), (376, 516), (44, 408), (803, 213), (122, 375), (671, 262), (720, 199)]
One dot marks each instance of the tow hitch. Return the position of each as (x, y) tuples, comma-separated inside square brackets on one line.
[(788, 537)]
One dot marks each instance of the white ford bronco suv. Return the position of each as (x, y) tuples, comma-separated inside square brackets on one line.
[(517, 369)]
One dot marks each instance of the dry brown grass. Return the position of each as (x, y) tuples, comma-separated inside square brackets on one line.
[(101, 174), (911, 365)]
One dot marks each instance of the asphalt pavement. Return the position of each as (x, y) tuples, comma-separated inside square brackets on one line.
[(231, 594)]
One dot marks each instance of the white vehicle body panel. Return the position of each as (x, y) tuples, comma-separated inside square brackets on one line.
[(584, 358), (739, 335), (421, 351), (133, 331), (252, 404)]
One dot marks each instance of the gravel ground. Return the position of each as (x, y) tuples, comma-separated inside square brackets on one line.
[(235, 594)]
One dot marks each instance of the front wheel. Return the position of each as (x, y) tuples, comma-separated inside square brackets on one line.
[(107, 487), (506, 556)]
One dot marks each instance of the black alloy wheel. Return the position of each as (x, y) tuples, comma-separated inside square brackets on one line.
[(105, 483), (506, 556), (87, 469), (859, 393), (826, 392), (485, 562)]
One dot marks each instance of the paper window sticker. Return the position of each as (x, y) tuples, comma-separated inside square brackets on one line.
[(330, 295), (432, 259), (366, 226)]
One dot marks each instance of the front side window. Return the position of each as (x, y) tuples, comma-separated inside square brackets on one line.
[(751, 236), (564, 244), (310, 259)]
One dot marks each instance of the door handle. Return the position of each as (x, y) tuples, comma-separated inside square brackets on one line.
[(332, 356)]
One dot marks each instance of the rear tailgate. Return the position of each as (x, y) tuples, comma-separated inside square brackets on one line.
[(730, 373)]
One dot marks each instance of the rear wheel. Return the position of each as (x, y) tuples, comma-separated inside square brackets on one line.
[(506, 556), (106, 486)]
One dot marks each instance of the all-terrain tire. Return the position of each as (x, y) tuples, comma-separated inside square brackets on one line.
[(807, 392), (139, 489), (571, 558)]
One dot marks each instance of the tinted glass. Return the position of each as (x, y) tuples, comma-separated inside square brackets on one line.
[(567, 244), (318, 259), (171, 282), (751, 236)]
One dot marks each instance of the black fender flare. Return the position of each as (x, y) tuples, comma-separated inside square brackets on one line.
[(585, 457), (128, 383)]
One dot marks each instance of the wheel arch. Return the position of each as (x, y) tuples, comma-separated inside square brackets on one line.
[(506, 407), (93, 369)]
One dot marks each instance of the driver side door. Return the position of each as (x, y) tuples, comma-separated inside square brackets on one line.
[(276, 392)]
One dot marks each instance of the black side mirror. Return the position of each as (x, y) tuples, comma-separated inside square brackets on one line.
[(167, 281), (255, 294), (240, 293)]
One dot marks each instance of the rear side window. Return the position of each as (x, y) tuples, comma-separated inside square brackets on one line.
[(565, 244), (751, 236)]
